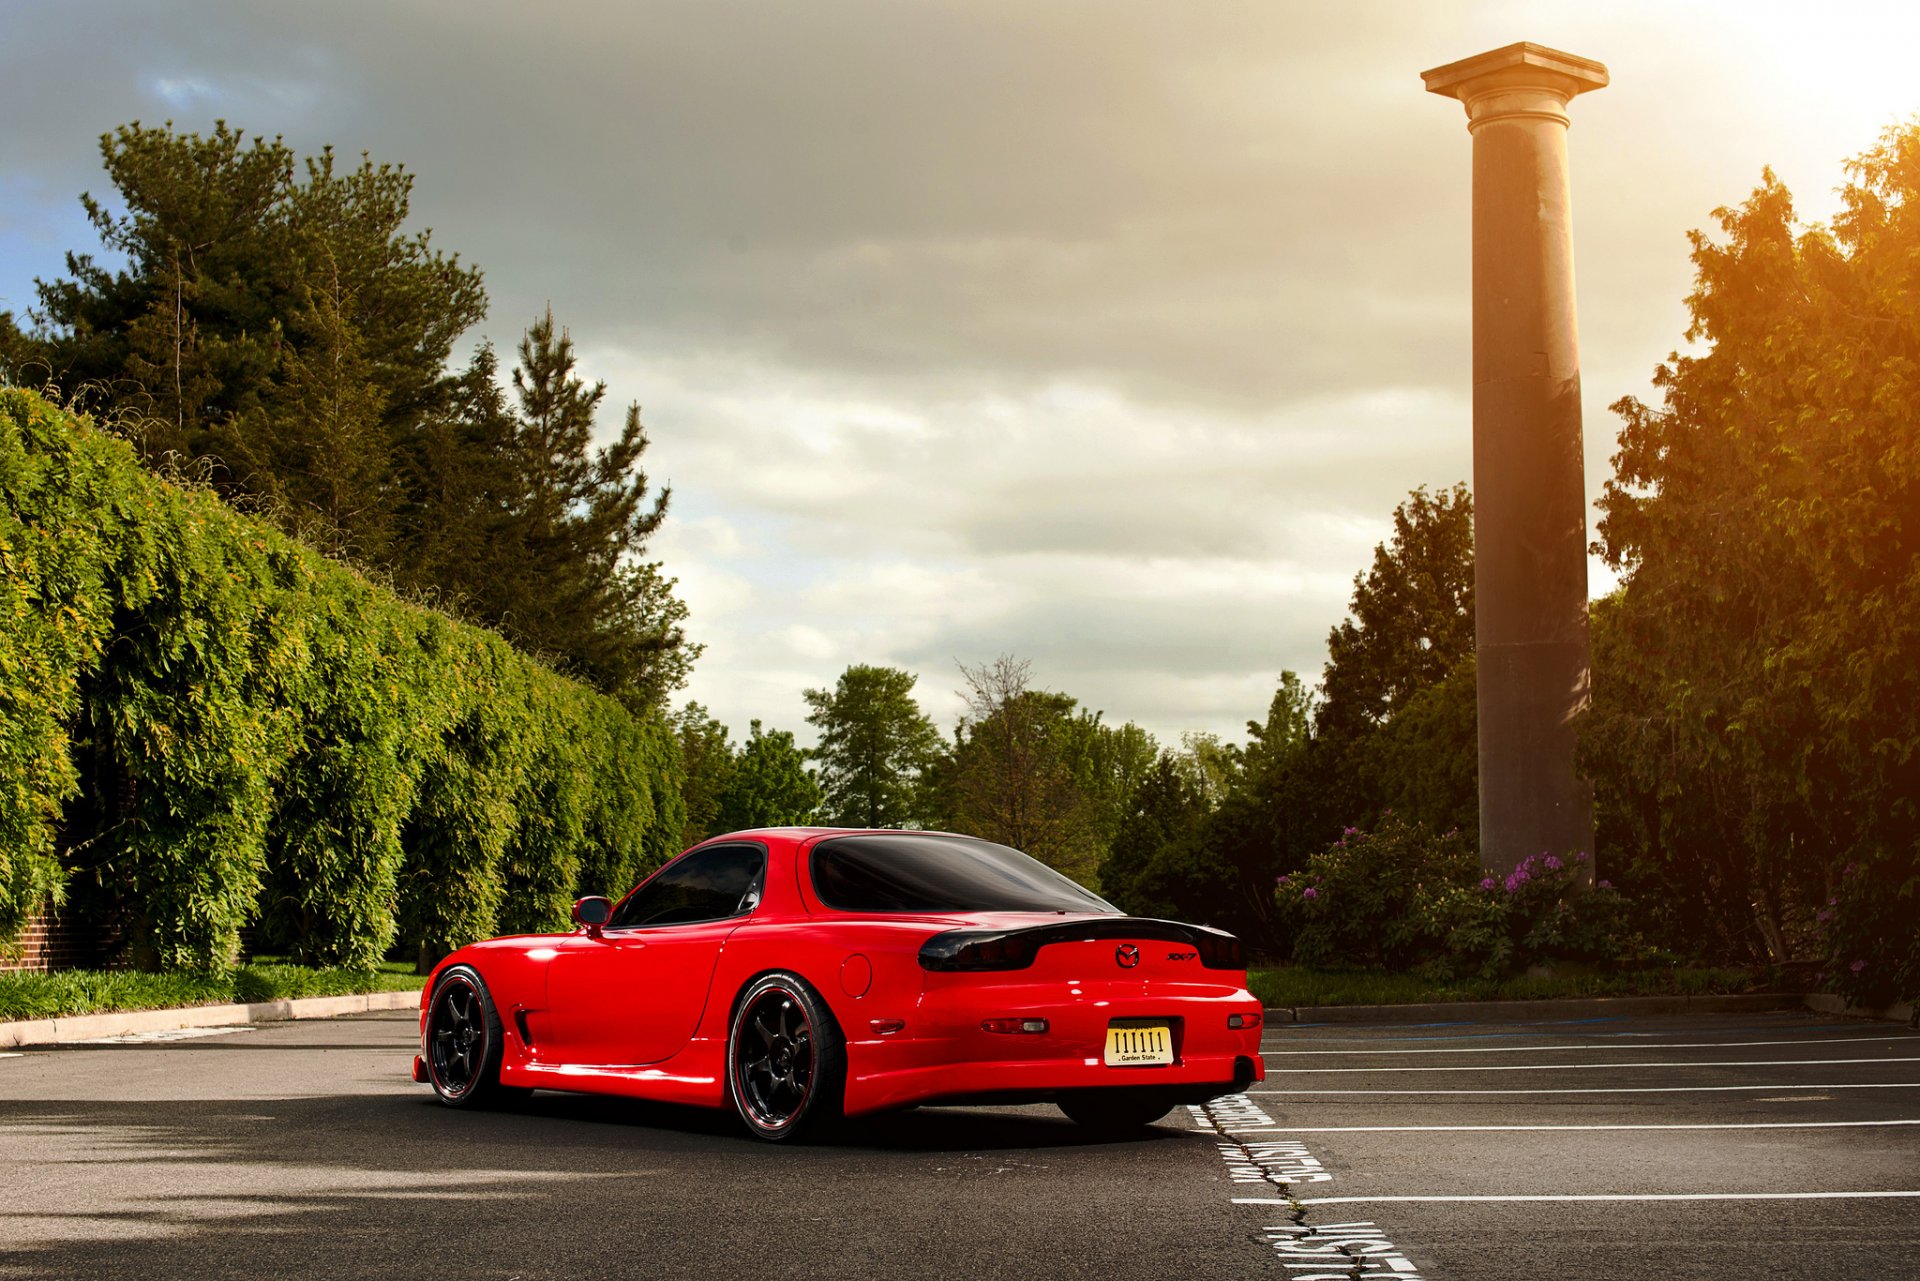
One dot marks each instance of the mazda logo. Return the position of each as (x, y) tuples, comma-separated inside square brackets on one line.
[(1128, 955)]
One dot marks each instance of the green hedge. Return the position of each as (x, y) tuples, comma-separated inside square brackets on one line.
[(217, 725)]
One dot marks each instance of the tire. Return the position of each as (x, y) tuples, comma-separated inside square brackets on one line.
[(786, 1059), (463, 1043), (1116, 1111)]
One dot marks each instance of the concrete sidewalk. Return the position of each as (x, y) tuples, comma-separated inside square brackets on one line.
[(87, 1027)]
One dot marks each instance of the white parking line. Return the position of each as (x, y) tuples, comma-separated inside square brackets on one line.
[(1452, 1129), (1630, 1089), (1611, 1067), (1592, 1196), (11, 1054), (1588, 1049)]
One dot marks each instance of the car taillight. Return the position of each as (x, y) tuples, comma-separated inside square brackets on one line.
[(963, 950), (1031, 1027), (1219, 951)]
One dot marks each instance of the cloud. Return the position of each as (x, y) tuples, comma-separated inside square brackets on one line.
[(1104, 332)]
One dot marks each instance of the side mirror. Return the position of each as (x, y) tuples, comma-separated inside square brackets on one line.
[(592, 912)]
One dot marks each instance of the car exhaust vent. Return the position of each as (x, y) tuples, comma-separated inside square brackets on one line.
[(520, 1021)]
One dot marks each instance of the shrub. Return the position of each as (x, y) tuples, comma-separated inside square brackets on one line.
[(1870, 929), (233, 727), (1399, 897), (1373, 898)]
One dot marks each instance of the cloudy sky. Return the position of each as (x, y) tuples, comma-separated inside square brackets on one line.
[(1099, 332)]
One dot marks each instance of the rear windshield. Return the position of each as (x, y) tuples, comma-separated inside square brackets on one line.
[(908, 873)]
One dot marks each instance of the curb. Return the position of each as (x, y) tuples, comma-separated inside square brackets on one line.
[(1575, 1008), (86, 1027), (1826, 1003)]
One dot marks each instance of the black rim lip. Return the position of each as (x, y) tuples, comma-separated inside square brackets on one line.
[(742, 1095), (433, 1058)]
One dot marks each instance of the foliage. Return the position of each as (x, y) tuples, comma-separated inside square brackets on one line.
[(1870, 936), (875, 744), (770, 786), (1396, 724), (1156, 864), (283, 335), (1020, 771), (1376, 897), (1399, 897), (1412, 614), (220, 726), (1763, 517), (30, 995), (1265, 822), (242, 285), (707, 751)]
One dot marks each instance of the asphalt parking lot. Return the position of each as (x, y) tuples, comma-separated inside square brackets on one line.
[(1770, 1146), (1733, 1147)]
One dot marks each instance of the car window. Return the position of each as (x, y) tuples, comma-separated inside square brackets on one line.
[(706, 885), (895, 872)]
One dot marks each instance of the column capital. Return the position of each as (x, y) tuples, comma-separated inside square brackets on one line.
[(1523, 80)]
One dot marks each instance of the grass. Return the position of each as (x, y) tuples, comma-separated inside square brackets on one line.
[(1291, 986), (69, 992)]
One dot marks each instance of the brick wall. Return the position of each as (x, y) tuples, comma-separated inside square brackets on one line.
[(56, 941)]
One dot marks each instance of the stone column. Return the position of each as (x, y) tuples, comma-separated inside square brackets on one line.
[(1529, 491)]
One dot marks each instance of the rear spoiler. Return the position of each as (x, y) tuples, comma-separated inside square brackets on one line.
[(957, 951)]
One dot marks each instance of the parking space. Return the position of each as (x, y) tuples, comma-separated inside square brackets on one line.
[(1778, 1146)]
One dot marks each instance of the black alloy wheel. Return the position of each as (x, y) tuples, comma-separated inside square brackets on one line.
[(786, 1061), (1116, 1112), (463, 1041)]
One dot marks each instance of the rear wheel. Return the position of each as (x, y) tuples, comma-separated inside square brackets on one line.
[(464, 1043), (786, 1059), (1116, 1111)]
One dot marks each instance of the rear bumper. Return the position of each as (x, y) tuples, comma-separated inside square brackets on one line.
[(944, 1054), (1195, 1079)]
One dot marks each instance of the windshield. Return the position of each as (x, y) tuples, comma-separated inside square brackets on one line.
[(905, 872)]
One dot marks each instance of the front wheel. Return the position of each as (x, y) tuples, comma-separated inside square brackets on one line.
[(464, 1042), (1116, 1111), (786, 1059)]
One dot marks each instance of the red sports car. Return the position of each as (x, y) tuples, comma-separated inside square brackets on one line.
[(799, 974)]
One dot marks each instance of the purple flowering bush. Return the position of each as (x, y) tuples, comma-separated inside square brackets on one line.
[(1402, 898), (1368, 899), (1871, 928)]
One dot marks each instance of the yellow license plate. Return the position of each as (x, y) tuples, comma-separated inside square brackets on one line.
[(1148, 1046)]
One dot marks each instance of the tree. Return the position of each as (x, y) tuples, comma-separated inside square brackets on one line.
[(707, 754), (770, 786), (1411, 614), (875, 745), (1012, 777), (239, 280), (277, 326), (565, 580), (1156, 864), (1381, 719), (515, 520), (1765, 520), (1265, 823)]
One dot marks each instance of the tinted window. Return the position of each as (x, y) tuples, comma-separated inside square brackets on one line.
[(893, 873), (706, 885)]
